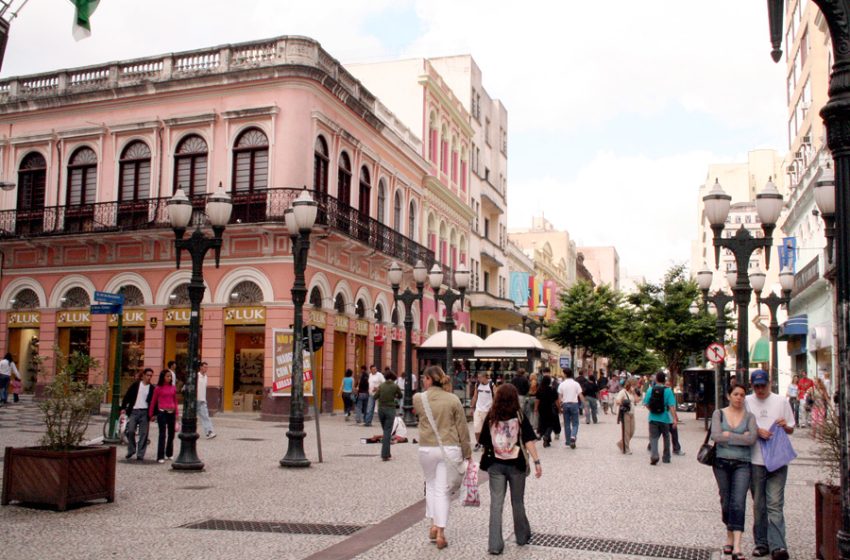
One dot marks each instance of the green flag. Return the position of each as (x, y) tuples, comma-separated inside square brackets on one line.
[(84, 10)]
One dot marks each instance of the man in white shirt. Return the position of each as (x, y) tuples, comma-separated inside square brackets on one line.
[(768, 488), (569, 400), (203, 409), (482, 401), (375, 380)]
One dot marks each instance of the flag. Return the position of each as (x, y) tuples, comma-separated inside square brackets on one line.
[(84, 9)]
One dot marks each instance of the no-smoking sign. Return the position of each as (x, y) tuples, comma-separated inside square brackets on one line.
[(715, 353)]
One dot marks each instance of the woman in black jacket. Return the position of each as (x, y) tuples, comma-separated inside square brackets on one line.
[(545, 409)]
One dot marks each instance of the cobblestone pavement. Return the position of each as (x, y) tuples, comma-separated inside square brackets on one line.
[(593, 501)]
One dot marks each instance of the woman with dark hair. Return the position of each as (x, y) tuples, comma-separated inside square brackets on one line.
[(362, 396), (164, 407), (443, 443), (346, 393), (546, 411), (734, 430), (508, 441)]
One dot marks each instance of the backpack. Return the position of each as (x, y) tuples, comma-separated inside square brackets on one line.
[(656, 400)]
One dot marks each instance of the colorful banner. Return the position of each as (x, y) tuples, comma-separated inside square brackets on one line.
[(282, 366), (788, 254), (519, 287)]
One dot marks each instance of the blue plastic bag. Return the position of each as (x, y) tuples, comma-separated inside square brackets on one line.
[(777, 451)]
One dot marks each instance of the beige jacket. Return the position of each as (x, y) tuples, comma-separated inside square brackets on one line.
[(450, 418)]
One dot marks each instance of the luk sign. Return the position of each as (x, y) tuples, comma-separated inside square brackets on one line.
[(715, 353)]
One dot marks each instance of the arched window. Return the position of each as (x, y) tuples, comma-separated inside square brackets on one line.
[(246, 292), (180, 296), (251, 161), (365, 198), (25, 299), (134, 172), (190, 166), (316, 297), (432, 138), (320, 166), (360, 309), (82, 177), (411, 221), (382, 199), (394, 316), (75, 297), (133, 296), (444, 150), (379, 314), (32, 179), (343, 185), (397, 212), (339, 304)]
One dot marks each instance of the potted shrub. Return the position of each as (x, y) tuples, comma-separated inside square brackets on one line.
[(827, 492), (60, 472)]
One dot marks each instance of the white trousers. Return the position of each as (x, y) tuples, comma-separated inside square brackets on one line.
[(437, 495)]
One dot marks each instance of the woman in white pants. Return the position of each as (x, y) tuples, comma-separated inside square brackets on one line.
[(450, 420)]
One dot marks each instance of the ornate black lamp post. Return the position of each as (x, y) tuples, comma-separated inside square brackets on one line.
[(180, 212), (408, 298), (449, 298), (742, 245), (719, 300), (773, 301), (300, 218), (529, 323)]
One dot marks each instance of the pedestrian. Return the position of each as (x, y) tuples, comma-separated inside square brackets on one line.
[(793, 394), (768, 488), (674, 428), (346, 393), (662, 416), (523, 386), (615, 385), (556, 382), (16, 386), (804, 385), (569, 400), (446, 438), (734, 432), (164, 407), (626, 401), (362, 395), (482, 400), (203, 409), (546, 410), (531, 402), (508, 442), (386, 396), (7, 370), (821, 405), (136, 404), (590, 391), (375, 380)]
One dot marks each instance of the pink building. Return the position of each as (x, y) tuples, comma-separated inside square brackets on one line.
[(96, 152)]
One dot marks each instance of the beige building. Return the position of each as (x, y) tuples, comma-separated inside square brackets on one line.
[(603, 263), (561, 246)]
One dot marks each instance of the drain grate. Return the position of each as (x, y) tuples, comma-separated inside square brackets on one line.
[(621, 547), (249, 439), (276, 527)]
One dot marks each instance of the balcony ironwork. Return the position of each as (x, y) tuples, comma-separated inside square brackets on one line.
[(254, 207)]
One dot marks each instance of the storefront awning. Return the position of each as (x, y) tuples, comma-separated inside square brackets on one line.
[(760, 352), (798, 325)]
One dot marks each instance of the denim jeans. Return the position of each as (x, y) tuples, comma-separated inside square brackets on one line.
[(360, 406), (501, 476), (768, 489), (795, 407), (138, 418), (204, 416), (733, 481), (656, 430), (165, 443), (387, 417), (4, 387), (571, 420), (591, 407), (370, 411), (348, 400), (674, 436)]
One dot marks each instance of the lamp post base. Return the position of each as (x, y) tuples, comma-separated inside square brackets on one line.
[(111, 441), (410, 419), (188, 459), (295, 457)]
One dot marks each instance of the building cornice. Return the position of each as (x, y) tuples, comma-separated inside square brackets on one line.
[(435, 187)]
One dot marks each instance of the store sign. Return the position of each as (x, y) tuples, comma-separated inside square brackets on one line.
[(361, 328), (21, 319), (73, 318), (397, 333), (245, 316), (316, 318), (132, 318), (282, 351), (501, 353), (341, 323), (178, 317)]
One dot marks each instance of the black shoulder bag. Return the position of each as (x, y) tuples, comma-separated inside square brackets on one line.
[(708, 453)]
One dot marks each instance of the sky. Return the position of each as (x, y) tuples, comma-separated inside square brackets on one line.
[(615, 109)]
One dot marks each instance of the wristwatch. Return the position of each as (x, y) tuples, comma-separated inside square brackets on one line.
[(537, 461)]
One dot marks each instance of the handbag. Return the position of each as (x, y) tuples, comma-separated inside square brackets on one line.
[(777, 451), (708, 453), (469, 494), (455, 470)]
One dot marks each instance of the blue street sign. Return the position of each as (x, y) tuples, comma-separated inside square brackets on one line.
[(564, 362), (105, 309), (107, 297)]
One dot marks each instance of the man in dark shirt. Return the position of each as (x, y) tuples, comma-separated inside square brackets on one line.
[(591, 392), (520, 381)]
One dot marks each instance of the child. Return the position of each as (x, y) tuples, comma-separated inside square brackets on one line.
[(16, 388)]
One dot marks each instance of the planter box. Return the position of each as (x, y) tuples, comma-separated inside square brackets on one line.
[(35, 475), (827, 520)]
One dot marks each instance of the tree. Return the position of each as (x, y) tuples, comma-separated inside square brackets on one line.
[(665, 322)]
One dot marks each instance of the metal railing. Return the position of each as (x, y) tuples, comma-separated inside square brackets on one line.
[(259, 206)]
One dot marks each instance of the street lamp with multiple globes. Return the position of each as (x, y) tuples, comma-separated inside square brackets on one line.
[(449, 298), (719, 300), (773, 301), (408, 298), (299, 218), (529, 323), (742, 245), (180, 211)]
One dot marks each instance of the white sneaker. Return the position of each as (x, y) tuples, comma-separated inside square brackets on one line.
[(160, 460), (168, 458), (211, 435)]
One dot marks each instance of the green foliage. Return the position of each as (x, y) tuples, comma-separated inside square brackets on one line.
[(69, 401), (828, 438), (589, 317)]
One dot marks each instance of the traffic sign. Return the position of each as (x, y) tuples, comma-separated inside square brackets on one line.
[(564, 362), (107, 297), (715, 353), (105, 309)]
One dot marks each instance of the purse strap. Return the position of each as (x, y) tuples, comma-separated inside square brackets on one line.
[(708, 433), (427, 406)]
